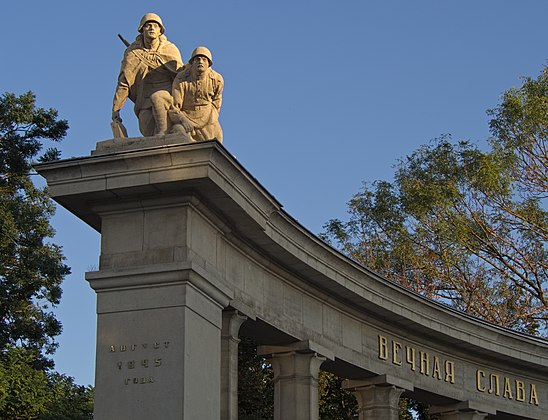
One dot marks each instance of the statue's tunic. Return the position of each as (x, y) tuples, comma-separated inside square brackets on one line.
[(200, 101), (145, 71)]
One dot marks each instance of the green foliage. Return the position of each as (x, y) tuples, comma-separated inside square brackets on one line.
[(462, 225), (31, 272), (256, 389), (31, 269), (335, 402), (411, 409), (67, 400), (24, 388), (30, 393), (255, 386), (520, 128), (22, 127)]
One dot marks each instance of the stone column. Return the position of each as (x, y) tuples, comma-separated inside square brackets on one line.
[(296, 369), (232, 321), (158, 344), (378, 397), (465, 410)]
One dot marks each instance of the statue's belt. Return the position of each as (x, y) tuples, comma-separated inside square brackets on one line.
[(195, 107)]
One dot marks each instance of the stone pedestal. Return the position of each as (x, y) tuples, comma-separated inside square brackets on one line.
[(159, 310), (378, 397), (296, 369), (158, 345)]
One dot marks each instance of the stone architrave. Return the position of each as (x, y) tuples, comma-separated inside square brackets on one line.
[(148, 69), (296, 370), (378, 397)]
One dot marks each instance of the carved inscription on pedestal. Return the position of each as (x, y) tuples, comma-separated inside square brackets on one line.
[(139, 364)]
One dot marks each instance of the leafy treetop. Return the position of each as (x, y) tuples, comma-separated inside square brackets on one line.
[(31, 268)]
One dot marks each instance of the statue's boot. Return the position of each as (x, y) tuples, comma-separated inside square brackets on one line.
[(161, 102), (161, 123)]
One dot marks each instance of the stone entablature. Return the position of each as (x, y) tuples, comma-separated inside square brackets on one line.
[(187, 221)]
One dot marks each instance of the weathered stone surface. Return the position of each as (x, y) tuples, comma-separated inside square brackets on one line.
[(198, 216)]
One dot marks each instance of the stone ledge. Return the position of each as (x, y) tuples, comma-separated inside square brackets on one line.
[(107, 147)]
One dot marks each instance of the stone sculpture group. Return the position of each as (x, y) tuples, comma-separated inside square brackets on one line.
[(169, 97)]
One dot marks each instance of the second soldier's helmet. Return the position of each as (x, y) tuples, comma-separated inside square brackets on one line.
[(151, 17), (204, 52)]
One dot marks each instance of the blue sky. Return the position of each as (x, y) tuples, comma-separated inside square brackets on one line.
[(319, 96)]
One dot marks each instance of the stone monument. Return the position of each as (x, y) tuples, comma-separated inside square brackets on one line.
[(197, 98), (195, 252), (168, 98), (148, 69)]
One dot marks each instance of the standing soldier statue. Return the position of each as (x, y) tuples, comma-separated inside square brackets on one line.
[(197, 96), (148, 69)]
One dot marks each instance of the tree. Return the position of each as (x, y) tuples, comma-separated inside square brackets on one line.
[(24, 390), (31, 272), (465, 226), (67, 400), (30, 393), (520, 127), (31, 269), (336, 403), (255, 386)]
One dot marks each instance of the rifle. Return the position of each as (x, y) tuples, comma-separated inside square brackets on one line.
[(118, 129), (126, 43)]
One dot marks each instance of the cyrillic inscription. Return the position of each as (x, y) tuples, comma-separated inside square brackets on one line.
[(506, 387), (141, 362), (427, 365)]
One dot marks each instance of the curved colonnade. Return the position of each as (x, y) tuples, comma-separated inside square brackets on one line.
[(195, 252)]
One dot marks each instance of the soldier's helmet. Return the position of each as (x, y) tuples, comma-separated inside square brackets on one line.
[(204, 52), (151, 17)]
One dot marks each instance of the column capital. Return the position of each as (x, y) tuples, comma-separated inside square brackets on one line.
[(378, 397), (301, 347), (296, 369), (463, 410), (232, 321), (378, 380)]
